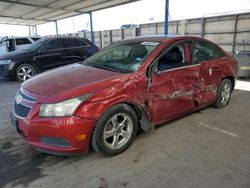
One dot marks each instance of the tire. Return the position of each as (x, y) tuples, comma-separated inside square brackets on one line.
[(115, 130), (223, 93), (24, 72)]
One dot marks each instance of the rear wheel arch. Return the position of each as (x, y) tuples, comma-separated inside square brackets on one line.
[(232, 80)]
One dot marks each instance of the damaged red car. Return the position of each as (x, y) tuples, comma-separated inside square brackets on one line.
[(132, 84)]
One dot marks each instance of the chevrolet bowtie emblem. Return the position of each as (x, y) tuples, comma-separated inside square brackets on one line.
[(19, 99)]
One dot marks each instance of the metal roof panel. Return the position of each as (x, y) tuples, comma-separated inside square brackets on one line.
[(35, 12)]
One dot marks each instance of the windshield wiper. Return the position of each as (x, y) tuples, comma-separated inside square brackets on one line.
[(102, 67)]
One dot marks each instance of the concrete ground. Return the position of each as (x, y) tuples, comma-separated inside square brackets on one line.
[(209, 148)]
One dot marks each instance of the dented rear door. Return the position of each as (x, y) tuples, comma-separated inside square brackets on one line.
[(211, 61)]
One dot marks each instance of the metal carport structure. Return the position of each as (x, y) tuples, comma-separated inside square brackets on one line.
[(34, 12)]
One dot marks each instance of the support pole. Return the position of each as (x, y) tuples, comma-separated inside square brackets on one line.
[(56, 28), (91, 28), (166, 17), (29, 31), (35, 30), (203, 24), (235, 32)]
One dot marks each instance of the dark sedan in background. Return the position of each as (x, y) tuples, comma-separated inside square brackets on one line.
[(45, 54)]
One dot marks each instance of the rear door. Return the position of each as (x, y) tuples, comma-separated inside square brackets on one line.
[(74, 50), (211, 60), (50, 55), (172, 88)]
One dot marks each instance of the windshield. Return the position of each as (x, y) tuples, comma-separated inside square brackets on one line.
[(36, 45), (122, 57)]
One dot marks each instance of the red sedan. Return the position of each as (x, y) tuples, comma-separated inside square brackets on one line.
[(132, 84)]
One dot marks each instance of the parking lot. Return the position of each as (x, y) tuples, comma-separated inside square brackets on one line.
[(209, 148)]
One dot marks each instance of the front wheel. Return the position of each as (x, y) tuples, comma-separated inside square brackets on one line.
[(223, 93), (24, 72), (115, 130)]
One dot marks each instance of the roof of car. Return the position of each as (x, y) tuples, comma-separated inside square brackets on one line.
[(162, 38), (157, 38), (48, 38)]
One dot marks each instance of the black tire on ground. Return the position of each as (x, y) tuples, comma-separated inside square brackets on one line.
[(223, 93), (24, 72), (115, 130)]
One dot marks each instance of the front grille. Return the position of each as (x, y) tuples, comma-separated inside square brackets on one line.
[(26, 97), (21, 110)]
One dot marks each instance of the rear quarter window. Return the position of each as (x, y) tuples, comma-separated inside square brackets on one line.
[(71, 43)]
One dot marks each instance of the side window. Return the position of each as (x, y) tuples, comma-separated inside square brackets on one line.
[(217, 52), (53, 45), (22, 41), (70, 43), (81, 43), (205, 51), (177, 56)]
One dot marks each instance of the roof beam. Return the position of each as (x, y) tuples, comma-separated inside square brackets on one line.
[(47, 5), (106, 7), (39, 6), (30, 19)]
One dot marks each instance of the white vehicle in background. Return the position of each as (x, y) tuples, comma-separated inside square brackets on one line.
[(9, 44)]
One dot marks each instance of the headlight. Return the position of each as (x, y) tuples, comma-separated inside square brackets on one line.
[(64, 108), (5, 62)]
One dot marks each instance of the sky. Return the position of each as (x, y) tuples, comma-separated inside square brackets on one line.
[(144, 11)]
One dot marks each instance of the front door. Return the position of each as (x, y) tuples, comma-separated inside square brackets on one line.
[(50, 55), (172, 88)]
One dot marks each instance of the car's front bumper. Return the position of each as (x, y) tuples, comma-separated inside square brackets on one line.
[(6, 71), (64, 135)]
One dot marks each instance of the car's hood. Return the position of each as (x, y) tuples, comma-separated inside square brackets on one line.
[(69, 82), (16, 55)]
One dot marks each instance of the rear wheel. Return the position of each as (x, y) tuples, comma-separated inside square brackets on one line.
[(24, 72), (223, 93), (115, 130)]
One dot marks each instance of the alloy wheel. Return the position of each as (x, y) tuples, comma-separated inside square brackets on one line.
[(225, 94), (118, 131), (25, 73)]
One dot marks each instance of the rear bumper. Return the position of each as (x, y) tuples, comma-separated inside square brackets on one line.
[(60, 136)]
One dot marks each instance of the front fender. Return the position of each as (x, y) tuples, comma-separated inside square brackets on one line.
[(130, 93)]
